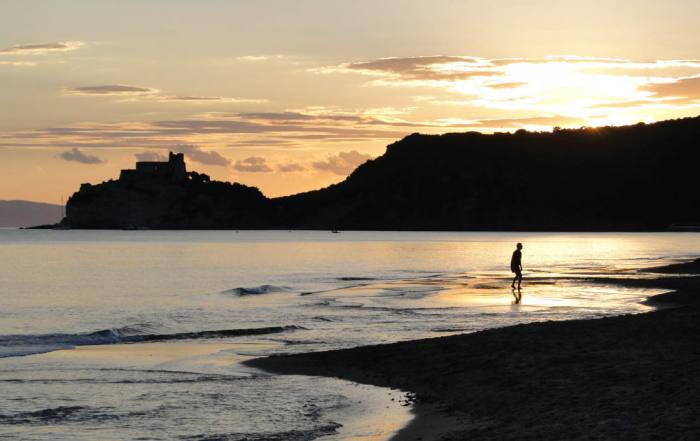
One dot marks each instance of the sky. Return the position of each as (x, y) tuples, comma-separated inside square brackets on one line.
[(292, 95)]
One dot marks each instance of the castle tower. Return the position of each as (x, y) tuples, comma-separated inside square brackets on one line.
[(176, 166)]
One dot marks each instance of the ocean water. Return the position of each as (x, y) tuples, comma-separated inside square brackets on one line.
[(126, 335)]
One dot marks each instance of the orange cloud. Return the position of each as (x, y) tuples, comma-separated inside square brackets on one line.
[(687, 87), (544, 121), (343, 163), (560, 84), (76, 155), (290, 167), (41, 48), (253, 164), (196, 154), (110, 89), (207, 99), (513, 85), (151, 94), (150, 155)]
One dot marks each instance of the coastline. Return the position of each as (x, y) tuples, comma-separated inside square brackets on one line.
[(625, 377)]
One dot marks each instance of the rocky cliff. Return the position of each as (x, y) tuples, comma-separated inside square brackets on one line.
[(158, 203)]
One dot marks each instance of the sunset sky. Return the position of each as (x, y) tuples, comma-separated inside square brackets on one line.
[(290, 95)]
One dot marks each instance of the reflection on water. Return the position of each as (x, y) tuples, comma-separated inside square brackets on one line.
[(192, 305)]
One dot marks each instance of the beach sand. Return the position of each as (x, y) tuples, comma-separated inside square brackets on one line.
[(633, 377)]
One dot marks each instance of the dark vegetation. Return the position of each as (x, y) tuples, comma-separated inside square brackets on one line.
[(640, 177)]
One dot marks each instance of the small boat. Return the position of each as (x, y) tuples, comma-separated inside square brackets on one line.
[(335, 231)]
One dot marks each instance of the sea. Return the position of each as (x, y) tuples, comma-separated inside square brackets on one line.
[(140, 335)]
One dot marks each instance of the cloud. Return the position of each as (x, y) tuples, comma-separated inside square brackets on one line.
[(110, 89), (343, 163), (196, 154), (16, 63), (265, 130), (638, 104), (150, 155), (291, 124), (544, 121), (208, 99), (440, 70), (290, 167), (685, 87), (277, 116), (189, 98), (426, 68), (261, 57), (151, 94), (571, 84), (405, 64), (253, 164), (42, 48), (78, 156), (514, 85), (287, 129)]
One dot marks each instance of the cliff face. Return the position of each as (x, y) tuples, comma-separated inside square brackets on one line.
[(613, 178)]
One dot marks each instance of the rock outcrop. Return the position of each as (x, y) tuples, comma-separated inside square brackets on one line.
[(164, 195)]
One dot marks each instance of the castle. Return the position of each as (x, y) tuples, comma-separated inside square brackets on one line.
[(173, 170)]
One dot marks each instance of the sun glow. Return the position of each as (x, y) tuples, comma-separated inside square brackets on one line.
[(539, 94), (559, 88)]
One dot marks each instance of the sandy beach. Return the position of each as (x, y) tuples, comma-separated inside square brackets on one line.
[(632, 377)]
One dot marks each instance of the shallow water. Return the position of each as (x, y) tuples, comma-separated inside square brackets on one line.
[(162, 319)]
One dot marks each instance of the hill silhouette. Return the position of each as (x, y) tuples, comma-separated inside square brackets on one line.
[(638, 177), (17, 213), (164, 204)]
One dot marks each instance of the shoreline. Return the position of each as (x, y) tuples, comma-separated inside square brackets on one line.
[(668, 229), (624, 377)]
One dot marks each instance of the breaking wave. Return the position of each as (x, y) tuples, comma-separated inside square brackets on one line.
[(292, 435), (45, 416), (256, 290), (16, 345), (351, 279)]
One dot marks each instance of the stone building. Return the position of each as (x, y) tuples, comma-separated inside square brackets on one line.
[(174, 169)]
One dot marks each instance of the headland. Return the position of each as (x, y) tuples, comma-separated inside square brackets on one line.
[(629, 178)]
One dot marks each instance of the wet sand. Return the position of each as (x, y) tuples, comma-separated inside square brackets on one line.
[(633, 377)]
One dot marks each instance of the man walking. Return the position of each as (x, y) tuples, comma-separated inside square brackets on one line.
[(516, 265)]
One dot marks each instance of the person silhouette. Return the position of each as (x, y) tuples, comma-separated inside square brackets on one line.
[(516, 265)]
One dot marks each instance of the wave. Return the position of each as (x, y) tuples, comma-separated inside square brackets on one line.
[(262, 289), (17, 345), (324, 430), (337, 288), (350, 279), (46, 416), (451, 329), (154, 377), (321, 318)]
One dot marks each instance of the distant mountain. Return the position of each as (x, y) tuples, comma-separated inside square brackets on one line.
[(27, 214), (639, 177)]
